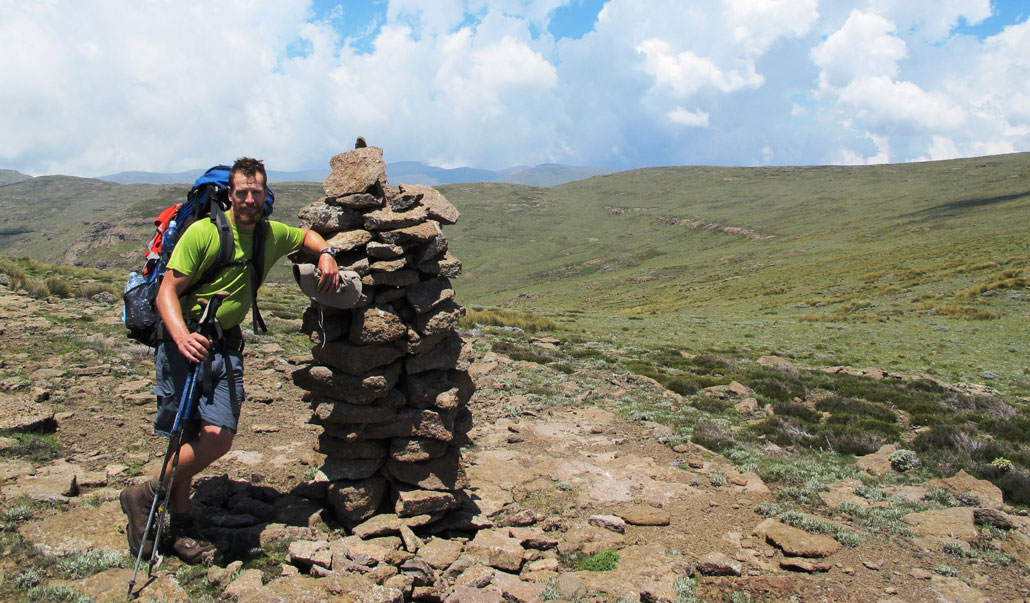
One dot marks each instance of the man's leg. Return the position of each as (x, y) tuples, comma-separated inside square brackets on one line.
[(210, 444)]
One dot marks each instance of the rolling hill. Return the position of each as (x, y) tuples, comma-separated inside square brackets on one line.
[(917, 266)]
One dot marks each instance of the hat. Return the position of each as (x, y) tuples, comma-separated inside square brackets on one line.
[(347, 292)]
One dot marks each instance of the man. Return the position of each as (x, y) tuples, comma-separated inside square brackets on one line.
[(209, 431)]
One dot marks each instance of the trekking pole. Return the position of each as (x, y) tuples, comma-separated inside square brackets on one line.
[(183, 412)]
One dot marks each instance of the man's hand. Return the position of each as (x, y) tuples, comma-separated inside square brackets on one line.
[(194, 347), (313, 243), (330, 278)]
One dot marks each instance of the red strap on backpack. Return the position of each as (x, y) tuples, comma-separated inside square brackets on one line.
[(161, 224)]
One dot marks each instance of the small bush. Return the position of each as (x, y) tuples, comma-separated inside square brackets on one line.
[(945, 570), (91, 562), (604, 561), (712, 436), (793, 409), (59, 287), (903, 460), (57, 594)]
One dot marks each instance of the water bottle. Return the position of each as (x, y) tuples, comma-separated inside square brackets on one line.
[(135, 279)]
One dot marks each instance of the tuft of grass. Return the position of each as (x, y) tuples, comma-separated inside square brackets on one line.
[(603, 561), (500, 317), (91, 562), (56, 594), (35, 447)]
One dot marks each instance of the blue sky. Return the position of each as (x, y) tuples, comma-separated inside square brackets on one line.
[(99, 86)]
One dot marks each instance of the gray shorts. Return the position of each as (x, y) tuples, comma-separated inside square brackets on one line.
[(215, 407)]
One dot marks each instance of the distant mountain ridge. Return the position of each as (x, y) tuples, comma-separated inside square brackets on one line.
[(401, 172), (11, 177)]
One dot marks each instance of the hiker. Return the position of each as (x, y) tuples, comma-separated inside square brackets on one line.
[(210, 430)]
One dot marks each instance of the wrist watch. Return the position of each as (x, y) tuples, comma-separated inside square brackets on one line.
[(328, 251)]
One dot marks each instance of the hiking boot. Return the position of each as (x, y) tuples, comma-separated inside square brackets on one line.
[(187, 541), (136, 503)]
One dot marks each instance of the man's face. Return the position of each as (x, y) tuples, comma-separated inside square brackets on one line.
[(247, 195)]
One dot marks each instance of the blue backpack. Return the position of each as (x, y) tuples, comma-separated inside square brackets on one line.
[(209, 198)]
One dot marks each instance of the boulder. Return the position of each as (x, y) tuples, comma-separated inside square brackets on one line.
[(877, 463), (355, 359), (497, 550), (357, 201), (719, 564), (412, 423), (347, 240), (956, 522), (336, 385), (355, 501), (349, 469), (448, 266), (799, 543), (450, 353), (414, 450), (441, 319), (426, 295), (327, 220), (421, 502), (376, 325), (966, 487), (389, 219), (441, 473), (438, 207), (420, 233), (645, 515), (354, 172)]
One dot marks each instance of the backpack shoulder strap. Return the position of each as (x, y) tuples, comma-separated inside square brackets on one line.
[(257, 272), (226, 249)]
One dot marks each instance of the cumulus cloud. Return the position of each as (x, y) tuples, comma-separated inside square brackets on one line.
[(93, 88), (686, 117), (866, 46)]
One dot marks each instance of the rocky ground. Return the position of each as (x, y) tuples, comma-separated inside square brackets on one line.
[(553, 492)]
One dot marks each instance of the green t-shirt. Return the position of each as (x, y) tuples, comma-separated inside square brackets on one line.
[(197, 250)]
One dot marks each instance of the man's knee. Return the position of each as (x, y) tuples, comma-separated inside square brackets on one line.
[(217, 439)]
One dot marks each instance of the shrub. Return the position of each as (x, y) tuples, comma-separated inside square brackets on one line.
[(603, 561), (59, 287), (839, 405), (793, 409), (91, 562), (712, 436), (903, 460)]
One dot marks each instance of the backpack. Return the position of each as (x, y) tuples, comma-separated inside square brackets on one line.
[(207, 199)]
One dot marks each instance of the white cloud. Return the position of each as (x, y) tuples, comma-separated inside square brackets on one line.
[(884, 103), (757, 24), (92, 88), (865, 46), (686, 73), (882, 155), (933, 20), (686, 117)]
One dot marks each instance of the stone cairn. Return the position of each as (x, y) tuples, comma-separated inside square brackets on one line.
[(389, 381)]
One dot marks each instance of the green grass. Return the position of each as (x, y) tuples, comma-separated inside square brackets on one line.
[(603, 561), (35, 447)]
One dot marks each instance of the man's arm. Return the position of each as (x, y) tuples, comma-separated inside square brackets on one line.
[(193, 346), (314, 244)]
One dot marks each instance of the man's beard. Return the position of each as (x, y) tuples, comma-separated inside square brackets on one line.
[(247, 216)]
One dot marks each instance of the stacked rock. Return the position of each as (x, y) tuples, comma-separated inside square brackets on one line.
[(389, 383)]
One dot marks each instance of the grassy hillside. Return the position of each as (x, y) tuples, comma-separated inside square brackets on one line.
[(916, 267)]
